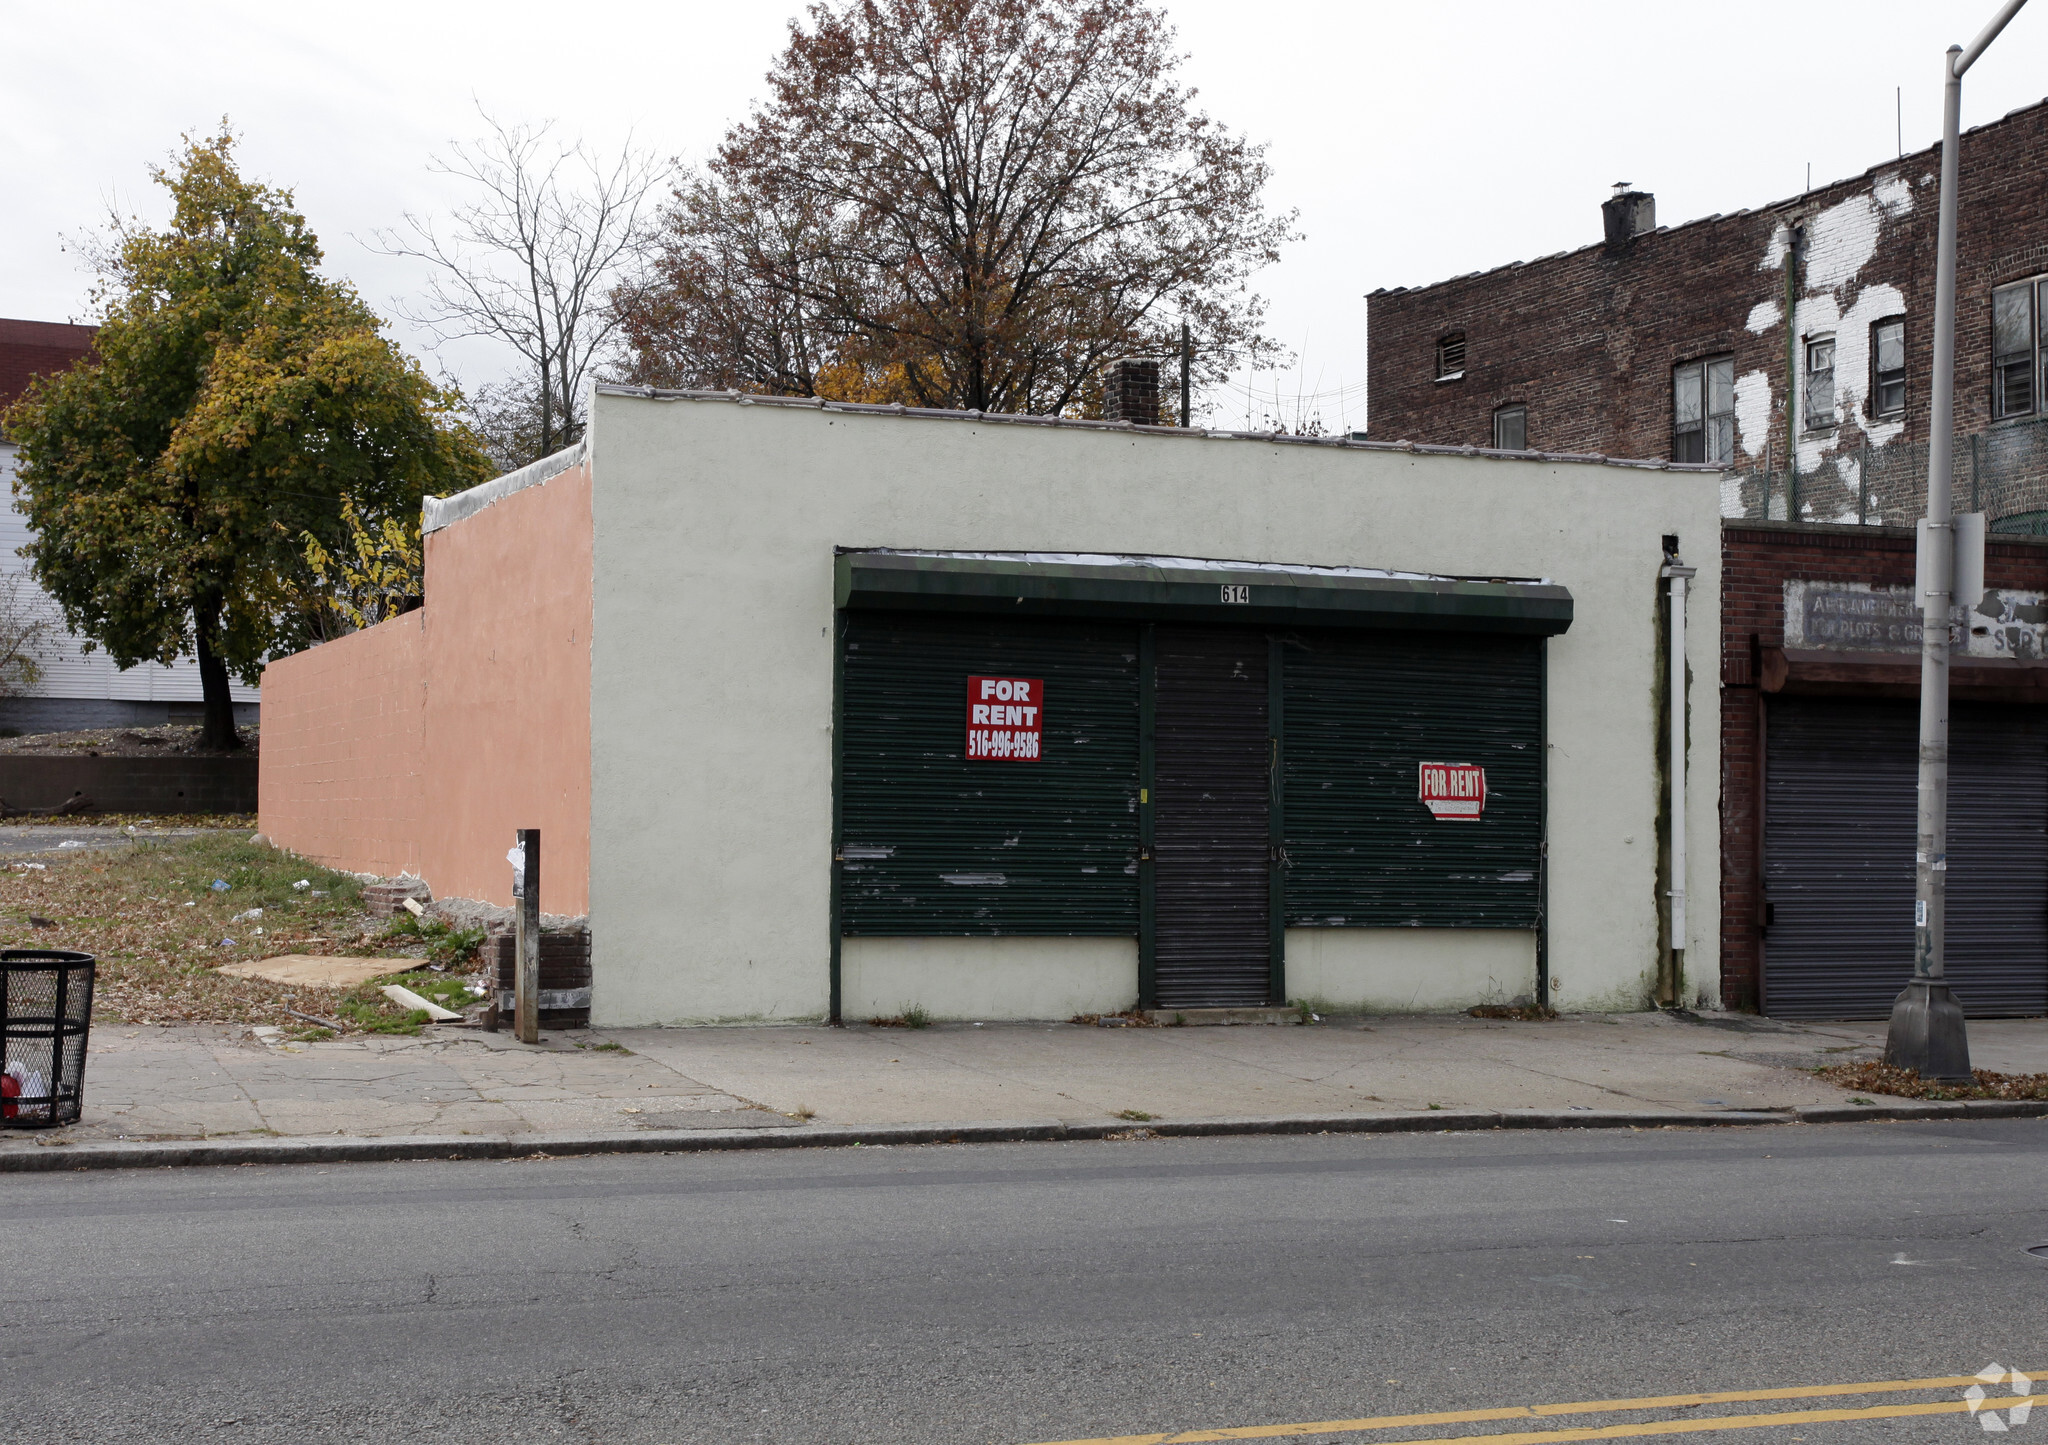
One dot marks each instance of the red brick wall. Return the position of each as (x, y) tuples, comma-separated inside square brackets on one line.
[(1756, 561), (1587, 339)]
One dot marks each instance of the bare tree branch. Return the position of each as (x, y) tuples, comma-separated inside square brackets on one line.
[(531, 261)]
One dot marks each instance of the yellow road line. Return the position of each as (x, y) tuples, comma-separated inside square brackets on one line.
[(1642, 1428), (1595, 1407)]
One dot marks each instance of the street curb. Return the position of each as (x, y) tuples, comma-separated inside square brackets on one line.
[(60, 1157)]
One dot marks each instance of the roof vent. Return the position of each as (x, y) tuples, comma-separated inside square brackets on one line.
[(1628, 214)]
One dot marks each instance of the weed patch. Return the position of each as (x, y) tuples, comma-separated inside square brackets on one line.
[(1526, 1013), (162, 915)]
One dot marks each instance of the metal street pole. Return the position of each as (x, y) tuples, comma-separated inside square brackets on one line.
[(1927, 1031)]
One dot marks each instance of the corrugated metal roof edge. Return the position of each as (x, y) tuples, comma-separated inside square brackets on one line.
[(814, 403), (438, 512)]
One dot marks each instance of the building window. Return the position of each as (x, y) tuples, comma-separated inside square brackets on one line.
[(1450, 356), (1820, 382), (2014, 327), (1888, 367), (1511, 428), (1703, 410)]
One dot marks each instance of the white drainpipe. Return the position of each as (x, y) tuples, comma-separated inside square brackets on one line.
[(1680, 576)]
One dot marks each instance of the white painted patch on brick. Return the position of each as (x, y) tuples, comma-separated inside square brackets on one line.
[(1840, 241), (1774, 254), (1753, 412), (1763, 316)]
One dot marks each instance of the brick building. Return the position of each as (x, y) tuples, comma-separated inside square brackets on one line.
[(1674, 341), (1792, 344)]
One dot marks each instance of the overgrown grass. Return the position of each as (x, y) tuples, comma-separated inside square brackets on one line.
[(152, 914)]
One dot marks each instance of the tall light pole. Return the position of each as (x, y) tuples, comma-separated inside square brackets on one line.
[(1927, 1032)]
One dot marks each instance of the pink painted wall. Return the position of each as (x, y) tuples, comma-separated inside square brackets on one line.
[(344, 749), (499, 679)]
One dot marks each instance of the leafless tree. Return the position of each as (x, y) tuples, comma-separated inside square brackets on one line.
[(530, 261), (25, 625)]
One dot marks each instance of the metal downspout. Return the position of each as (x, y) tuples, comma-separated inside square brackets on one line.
[(1679, 576), (1793, 237)]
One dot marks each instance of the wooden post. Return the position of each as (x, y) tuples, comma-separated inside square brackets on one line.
[(526, 940)]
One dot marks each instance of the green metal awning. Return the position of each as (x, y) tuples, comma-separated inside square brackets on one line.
[(1165, 589)]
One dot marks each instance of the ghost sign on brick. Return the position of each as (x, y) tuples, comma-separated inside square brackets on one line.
[(1005, 718), (1453, 792)]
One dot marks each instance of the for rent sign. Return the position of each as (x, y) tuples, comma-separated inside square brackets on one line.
[(1005, 718), (1454, 792)]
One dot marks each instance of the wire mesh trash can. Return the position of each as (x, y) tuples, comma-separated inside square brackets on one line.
[(45, 1012)]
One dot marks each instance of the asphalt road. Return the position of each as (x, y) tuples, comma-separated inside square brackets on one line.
[(33, 838), (1035, 1292)]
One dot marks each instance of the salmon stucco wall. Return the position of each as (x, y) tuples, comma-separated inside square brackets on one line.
[(508, 694), (344, 749), (500, 675)]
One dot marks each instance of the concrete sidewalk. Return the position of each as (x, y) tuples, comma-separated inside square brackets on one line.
[(153, 1085)]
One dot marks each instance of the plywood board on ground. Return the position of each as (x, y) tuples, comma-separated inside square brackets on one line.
[(313, 972)]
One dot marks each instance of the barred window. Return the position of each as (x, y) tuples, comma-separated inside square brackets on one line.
[(1888, 367), (1703, 410)]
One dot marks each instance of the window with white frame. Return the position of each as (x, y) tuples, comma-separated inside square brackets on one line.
[(1820, 382), (2017, 344), (1888, 367), (1703, 410), (1511, 428)]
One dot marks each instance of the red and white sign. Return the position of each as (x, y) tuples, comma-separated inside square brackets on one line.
[(1005, 718), (1454, 792)]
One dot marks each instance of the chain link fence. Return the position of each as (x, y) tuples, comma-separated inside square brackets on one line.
[(2002, 472)]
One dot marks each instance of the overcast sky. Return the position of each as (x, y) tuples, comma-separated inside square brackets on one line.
[(1418, 140)]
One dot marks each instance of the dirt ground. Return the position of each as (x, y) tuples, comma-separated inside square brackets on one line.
[(162, 915), (121, 742)]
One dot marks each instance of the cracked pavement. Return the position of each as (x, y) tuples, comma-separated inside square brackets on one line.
[(152, 1083)]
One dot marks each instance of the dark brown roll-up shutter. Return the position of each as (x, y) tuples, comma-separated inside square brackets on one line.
[(1840, 810), (1212, 770)]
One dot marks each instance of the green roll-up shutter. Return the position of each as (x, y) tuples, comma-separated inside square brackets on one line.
[(1363, 710), (933, 843)]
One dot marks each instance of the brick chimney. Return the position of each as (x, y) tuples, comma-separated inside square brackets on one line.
[(1130, 392), (1628, 214)]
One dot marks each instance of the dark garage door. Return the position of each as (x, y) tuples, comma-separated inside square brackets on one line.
[(1839, 821)]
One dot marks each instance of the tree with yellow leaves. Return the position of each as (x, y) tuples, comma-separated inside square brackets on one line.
[(236, 403)]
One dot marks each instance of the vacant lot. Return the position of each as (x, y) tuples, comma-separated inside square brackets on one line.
[(162, 917)]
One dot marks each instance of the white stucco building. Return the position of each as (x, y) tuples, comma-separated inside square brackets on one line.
[(853, 709)]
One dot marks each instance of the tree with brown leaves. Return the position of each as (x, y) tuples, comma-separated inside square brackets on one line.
[(961, 203)]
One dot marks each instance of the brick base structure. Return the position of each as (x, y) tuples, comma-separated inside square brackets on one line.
[(564, 973)]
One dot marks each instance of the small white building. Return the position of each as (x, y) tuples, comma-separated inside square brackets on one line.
[(77, 689), (841, 710)]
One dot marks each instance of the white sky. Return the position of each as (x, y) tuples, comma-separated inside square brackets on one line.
[(1418, 140)]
